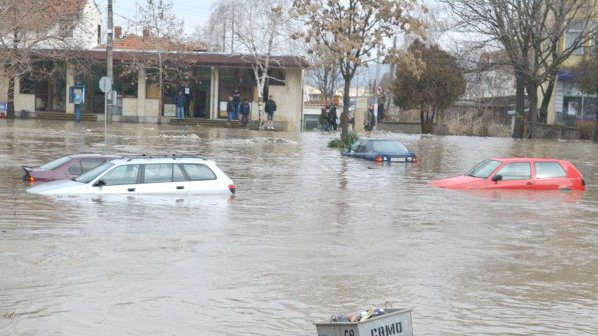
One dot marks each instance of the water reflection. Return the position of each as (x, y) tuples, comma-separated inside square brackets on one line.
[(309, 233)]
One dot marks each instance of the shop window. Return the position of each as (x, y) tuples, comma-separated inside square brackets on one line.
[(125, 81), (27, 84), (241, 79)]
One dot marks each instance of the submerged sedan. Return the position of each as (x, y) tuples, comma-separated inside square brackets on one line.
[(66, 167), (381, 150), (176, 175), (517, 173)]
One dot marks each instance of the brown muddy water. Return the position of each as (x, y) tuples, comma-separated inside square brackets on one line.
[(310, 233)]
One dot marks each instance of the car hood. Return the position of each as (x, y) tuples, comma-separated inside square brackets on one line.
[(458, 182), (57, 187)]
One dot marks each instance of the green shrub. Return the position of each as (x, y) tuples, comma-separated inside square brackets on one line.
[(344, 142)]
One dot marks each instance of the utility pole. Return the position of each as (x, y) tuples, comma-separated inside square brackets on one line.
[(392, 75), (224, 37), (232, 33), (376, 87), (108, 96)]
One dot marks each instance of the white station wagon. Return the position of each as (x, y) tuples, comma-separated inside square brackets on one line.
[(177, 175)]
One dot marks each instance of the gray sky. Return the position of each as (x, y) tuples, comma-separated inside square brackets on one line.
[(194, 12)]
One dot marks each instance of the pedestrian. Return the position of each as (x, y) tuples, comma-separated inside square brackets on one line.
[(229, 110), (180, 101), (324, 119), (332, 117), (236, 103), (368, 120), (270, 109), (244, 110)]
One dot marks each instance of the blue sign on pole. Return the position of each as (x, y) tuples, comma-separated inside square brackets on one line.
[(3, 109)]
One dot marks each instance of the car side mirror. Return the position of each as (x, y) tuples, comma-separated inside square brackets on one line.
[(99, 183), (497, 178)]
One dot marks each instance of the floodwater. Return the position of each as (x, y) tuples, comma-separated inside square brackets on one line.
[(309, 234)]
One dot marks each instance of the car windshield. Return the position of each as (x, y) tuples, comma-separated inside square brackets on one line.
[(56, 163), (483, 169), (92, 174), (389, 147)]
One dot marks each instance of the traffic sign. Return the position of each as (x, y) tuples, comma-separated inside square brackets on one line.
[(105, 84)]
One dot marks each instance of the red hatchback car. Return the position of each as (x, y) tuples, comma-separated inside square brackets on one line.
[(517, 173), (66, 167)]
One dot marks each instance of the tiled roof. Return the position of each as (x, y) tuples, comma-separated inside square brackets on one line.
[(146, 43)]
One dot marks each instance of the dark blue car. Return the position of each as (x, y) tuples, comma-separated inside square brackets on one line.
[(381, 150)]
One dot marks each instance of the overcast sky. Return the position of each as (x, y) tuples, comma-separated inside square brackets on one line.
[(193, 12)]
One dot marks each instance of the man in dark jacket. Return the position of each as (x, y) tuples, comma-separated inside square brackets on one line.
[(180, 101), (270, 109), (244, 110), (332, 116)]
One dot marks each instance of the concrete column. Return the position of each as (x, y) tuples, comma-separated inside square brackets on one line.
[(70, 81), (214, 101), (141, 93), (360, 107)]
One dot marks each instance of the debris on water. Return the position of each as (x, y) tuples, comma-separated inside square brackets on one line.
[(358, 316), (191, 136)]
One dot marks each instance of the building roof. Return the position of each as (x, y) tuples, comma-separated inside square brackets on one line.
[(200, 58)]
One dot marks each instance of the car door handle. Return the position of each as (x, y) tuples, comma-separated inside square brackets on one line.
[(530, 183), (180, 187), (131, 189)]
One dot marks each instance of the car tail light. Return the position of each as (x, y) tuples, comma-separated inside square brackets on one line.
[(378, 158), (232, 188)]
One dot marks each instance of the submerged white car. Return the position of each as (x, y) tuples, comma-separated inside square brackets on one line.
[(178, 175)]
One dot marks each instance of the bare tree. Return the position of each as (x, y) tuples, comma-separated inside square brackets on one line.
[(324, 73), (33, 30), (586, 76), (163, 36), (354, 32), (530, 32)]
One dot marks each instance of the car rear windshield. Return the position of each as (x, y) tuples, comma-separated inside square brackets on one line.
[(92, 174), (389, 147), (483, 169), (56, 163)]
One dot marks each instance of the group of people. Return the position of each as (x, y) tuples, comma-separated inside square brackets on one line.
[(235, 108), (329, 118)]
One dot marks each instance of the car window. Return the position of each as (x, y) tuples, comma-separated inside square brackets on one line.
[(163, 172), (389, 147), (75, 169), (125, 174), (90, 163), (549, 170), (199, 172), (158, 173), (483, 169), (56, 163), (92, 174), (362, 148), (355, 145), (178, 175), (515, 171)]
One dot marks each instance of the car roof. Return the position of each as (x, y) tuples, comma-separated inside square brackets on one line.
[(161, 159), (92, 155), (524, 159)]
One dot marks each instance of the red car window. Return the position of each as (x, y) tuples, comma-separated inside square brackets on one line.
[(546, 170), (515, 171)]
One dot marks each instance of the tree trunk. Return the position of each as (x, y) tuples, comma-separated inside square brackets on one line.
[(439, 129), (345, 113), (532, 92), (546, 101), (161, 100), (519, 105), (10, 97)]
